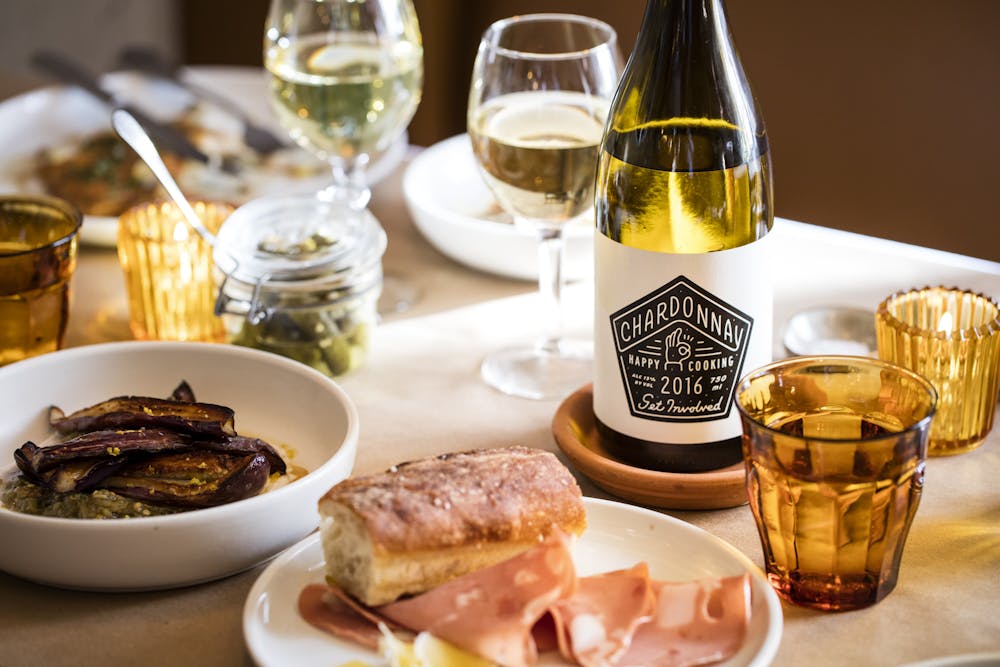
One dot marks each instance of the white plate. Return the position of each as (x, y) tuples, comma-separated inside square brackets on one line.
[(617, 536), (991, 659), (456, 212), (58, 115)]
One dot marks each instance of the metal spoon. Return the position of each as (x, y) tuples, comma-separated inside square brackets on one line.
[(145, 60), (132, 133)]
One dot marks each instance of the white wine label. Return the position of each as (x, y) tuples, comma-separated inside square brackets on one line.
[(672, 336), (680, 350)]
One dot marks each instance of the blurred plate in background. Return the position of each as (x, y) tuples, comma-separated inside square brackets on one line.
[(456, 212), (831, 330), (56, 120)]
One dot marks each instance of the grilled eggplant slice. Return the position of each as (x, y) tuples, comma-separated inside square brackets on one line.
[(77, 476), (239, 444), (134, 412), (173, 453), (32, 459), (191, 479), (183, 392)]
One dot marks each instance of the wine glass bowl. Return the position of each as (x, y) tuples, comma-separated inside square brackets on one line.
[(346, 79), (540, 93)]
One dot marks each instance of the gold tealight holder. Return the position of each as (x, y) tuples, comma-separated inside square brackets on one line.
[(952, 337), (169, 271)]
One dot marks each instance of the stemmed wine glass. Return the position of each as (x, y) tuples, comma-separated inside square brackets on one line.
[(346, 79), (541, 89)]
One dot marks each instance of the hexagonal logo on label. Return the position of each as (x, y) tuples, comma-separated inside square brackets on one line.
[(680, 350)]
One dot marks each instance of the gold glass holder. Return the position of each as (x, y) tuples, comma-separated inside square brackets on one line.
[(950, 336)]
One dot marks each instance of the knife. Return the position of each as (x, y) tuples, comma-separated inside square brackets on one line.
[(168, 138)]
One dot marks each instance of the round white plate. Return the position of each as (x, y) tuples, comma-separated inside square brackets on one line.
[(991, 659), (617, 536), (59, 115), (456, 212)]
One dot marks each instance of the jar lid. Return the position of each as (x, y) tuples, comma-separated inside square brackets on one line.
[(298, 237)]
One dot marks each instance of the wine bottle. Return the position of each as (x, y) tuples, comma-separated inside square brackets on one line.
[(683, 298)]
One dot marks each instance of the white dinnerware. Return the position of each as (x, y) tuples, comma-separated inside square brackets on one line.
[(280, 401)]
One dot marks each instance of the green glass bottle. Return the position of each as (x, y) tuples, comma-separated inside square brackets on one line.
[(683, 202)]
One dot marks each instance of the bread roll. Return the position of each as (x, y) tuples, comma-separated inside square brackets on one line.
[(420, 524)]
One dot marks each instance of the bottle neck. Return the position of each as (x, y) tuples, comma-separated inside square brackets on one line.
[(696, 71), (685, 12), (685, 28)]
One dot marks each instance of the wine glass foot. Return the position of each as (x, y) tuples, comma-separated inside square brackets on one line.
[(398, 295), (537, 372)]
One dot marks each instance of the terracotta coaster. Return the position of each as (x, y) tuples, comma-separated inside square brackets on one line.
[(575, 433)]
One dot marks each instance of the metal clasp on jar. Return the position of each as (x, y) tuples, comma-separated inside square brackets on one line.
[(256, 312)]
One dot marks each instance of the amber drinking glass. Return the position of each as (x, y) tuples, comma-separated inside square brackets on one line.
[(951, 337), (38, 240), (835, 449)]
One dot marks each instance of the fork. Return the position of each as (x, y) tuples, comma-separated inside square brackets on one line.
[(68, 72), (149, 62)]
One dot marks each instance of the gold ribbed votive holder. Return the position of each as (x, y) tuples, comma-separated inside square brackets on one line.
[(950, 336), (168, 271)]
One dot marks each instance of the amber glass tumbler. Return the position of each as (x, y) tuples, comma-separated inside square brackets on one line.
[(38, 240), (835, 451)]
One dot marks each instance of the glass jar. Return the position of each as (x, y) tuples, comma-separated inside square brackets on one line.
[(301, 277)]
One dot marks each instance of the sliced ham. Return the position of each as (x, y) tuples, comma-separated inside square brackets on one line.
[(491, 612), (596, 623), (328, 612), (695, 623), (502, 613)]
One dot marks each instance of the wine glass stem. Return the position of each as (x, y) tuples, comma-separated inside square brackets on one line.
[(349, 186), (550, 252)]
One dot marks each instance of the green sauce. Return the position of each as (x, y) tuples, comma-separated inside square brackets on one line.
[(20, 495)]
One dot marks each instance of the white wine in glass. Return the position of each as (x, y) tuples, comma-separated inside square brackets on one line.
[(538, 152), (346, 79), (541, 89)]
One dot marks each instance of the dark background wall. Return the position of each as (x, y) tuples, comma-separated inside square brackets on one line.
[(883, 115)]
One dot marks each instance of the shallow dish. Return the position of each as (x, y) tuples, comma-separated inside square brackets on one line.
[(575, 433), (276, 399), (456, 212), (617, 536), (831, 330), (990, 659), (58, 116)]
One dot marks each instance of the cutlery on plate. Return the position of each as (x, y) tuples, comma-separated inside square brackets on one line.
[(149, 62), (68, 72), (131, 131)]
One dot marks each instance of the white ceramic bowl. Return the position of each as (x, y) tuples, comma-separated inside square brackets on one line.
[(456, 212), (274, 398)]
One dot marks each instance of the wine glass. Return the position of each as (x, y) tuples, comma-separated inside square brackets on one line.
[(346, 79), (541, 89)]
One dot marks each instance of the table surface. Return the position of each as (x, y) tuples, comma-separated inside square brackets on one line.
[(949, 584)]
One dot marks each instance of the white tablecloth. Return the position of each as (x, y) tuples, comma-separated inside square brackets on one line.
[(420, 394)]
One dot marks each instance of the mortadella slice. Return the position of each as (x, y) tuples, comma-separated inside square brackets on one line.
[(321, 608), (595, 625), (694, 623), (491, 612)]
